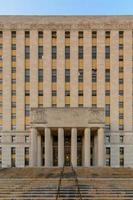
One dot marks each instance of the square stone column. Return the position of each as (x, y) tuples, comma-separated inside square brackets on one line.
[(48, 148), (87, 147), (100, 140), (39, 151), (33, 161), (74, 147), (60, 147)]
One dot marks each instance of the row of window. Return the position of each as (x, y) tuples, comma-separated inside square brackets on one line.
[(67, 53), (108, 156), (67, 34), (108, 139), (13, 139)]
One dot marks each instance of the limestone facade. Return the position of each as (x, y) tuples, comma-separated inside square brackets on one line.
[(66, 79)]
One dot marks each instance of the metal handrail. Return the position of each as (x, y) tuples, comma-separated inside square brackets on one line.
[(76, 181), (59, 184)]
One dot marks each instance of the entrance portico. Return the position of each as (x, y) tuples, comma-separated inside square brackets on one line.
[(61, 136)]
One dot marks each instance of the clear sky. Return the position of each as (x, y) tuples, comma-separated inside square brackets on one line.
[(66, 7)]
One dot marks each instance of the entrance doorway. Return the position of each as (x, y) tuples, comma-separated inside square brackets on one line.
[(67, 149)]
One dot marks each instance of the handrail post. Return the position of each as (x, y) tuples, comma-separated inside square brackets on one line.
[(76, 181), (59, 184)]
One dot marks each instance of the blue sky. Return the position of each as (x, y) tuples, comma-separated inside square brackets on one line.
[(66, 7)]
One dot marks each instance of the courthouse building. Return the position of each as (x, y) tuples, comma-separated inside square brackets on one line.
[(66, 92)]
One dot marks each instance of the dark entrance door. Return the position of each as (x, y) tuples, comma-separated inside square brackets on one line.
[(67, 149)]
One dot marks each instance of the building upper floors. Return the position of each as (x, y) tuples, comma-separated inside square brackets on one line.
[(66, 62)]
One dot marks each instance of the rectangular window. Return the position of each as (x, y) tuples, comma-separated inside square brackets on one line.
[(40, 93), (121, 104), (1, 34), (121, 150), (26, 156), (40, 75), (13, 69), (94, 52), (40, 34), (120, 69), (107, 110), (107, 127), (54, 93), (27, 34), (27, 52), (120, 58), (67, 75), (13, 151), (121, 116), (67, 93), (107, 139), (121, 80), (13, 92), (107, 34), (13, 159), (121, 33), (67, 105), (54, 34), (13, 58), (80, 76), (121, 139), (121, 127), (94, 93), (67, 34), (27, 92), (94, 75), (80, 34), (107, 92), (27, 110), (107, 161), (94, 34), (13, 33), (13, 138), (121, 162), (13, 116), (40, 52), (27, 75), (1, 46), (107, 75), (13, 47), (120, 46), (107, 52), (13, 81), (67, 52), (54, 52), (121, 92), (1, 58), (27, 139), (81, 52), (13, 104), (80, 93), (54, 75), (107, 150)]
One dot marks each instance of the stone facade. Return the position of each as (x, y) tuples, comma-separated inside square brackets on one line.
[(98, 94)]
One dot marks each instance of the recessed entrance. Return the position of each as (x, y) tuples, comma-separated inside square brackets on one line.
[(67, 148)]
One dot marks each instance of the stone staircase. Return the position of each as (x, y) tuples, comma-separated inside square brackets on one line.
[(114, 187)]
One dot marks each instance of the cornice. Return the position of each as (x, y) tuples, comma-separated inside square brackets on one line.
[(66, 22)]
